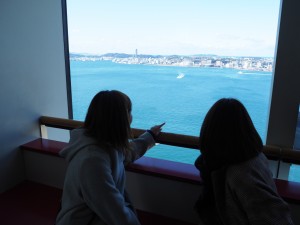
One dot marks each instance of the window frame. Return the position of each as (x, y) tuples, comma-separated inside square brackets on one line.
[(283, 110)]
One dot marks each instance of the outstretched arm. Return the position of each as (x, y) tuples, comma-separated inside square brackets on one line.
[(140, 145)]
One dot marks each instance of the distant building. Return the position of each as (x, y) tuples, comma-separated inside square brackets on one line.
[(218, 63)]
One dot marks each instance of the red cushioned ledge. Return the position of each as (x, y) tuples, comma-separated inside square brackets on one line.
[(29, 203)]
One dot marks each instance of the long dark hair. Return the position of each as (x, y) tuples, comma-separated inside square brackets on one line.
[(108, 119), (227, 135)]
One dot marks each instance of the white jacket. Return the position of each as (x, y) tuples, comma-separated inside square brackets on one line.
[(94, 187)]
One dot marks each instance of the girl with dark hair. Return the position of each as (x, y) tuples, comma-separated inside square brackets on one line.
[(238, 187), (94, 188)]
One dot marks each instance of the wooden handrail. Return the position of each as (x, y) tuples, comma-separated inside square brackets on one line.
[(179, 140), (164, 138), (60, 123), (290, 155)]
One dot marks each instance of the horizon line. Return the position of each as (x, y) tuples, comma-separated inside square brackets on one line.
[(199, 54)]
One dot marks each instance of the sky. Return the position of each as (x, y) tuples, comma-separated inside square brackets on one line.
[(174, 27)]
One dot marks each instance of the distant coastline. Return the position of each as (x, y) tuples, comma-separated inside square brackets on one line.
[(239, 63)]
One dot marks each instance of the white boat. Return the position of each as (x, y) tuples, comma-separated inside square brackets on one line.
[(181, 75)]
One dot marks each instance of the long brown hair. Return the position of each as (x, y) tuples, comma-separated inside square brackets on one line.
[(108, 119)]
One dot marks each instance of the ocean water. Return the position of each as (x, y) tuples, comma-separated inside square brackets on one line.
[(179, 96)]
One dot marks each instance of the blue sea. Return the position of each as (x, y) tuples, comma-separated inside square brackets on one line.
[(179, 96)]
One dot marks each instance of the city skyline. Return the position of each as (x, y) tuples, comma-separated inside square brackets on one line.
[(239, 63), (231, 28)]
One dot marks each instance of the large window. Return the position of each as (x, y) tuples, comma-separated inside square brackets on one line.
[(174, 59)]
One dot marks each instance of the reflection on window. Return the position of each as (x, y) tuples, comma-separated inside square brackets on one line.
[(297, 133), (174, 59), (294, 174)]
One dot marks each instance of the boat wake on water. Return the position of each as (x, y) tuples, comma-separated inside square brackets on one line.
[(180, 76)]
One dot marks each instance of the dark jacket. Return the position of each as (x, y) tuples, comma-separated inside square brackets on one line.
[(243, 194)]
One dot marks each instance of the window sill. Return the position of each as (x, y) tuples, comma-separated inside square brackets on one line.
[(161, 168), (145, 165)]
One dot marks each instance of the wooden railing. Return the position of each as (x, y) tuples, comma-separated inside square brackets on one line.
[(164, 138), (272, 152)]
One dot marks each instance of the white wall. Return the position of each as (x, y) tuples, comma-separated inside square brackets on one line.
[(32, 77), (162, 196), (285, 100), (286, 82)]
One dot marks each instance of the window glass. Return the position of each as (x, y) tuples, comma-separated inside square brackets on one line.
[(174, 59), (297, 133), (294, 174)]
